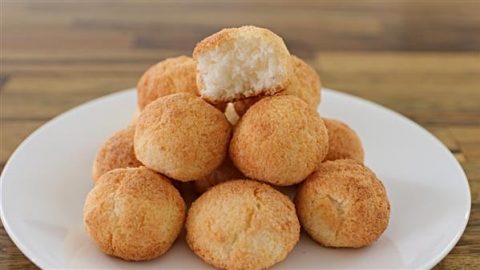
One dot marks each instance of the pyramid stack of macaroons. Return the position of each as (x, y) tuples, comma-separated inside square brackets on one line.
[(238, 120)]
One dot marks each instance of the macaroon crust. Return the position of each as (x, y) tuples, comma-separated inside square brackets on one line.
[(343, 204), (280, 140), (269, 51), (169, 76), (134, 214), (116, 152), (242, 224), (182, 137), (343, 142)]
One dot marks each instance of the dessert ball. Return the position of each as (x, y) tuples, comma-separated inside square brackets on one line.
[(182, 137), (280, 140), (242, 62), (170, 76), (305, 84), (134, 214), (225, 172), (343, 204), (242, 224), (343, 142), (116, 152)]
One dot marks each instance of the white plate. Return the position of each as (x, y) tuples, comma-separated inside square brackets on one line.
[(44, 184)]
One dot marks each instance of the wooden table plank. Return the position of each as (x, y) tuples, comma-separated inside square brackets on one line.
[(358, 25)]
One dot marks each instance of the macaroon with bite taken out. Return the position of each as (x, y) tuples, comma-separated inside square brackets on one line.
[(237, 63)]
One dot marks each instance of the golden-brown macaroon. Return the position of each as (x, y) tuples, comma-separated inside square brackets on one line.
[(343, 204), (170, 76), (242, 224), (134, 214), (182, 137), (279, 140), (343, 142), (242, 62), (225, 172), (305, 84), (116, 152)]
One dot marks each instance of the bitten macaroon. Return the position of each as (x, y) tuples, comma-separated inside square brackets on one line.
[(242, 224), (182, 137), (134, 214), (242, 62), (343, 204), (280, 140)]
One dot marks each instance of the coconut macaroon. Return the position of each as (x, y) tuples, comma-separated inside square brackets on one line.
[(343, 204), (280, 140), (226, 171), (241, 62), (170, 76), (134, 214), (242, 224), (116, 152), (181, 136), (305, 84), (343, 142)]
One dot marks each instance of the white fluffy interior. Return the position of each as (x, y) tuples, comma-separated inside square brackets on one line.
[(246, 64)]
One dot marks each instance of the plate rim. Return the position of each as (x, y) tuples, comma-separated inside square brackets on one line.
[(45, 265)]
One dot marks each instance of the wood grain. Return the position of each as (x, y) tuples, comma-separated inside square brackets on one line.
[(420, 58)]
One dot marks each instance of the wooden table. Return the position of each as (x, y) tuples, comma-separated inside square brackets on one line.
[(420, 58)]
